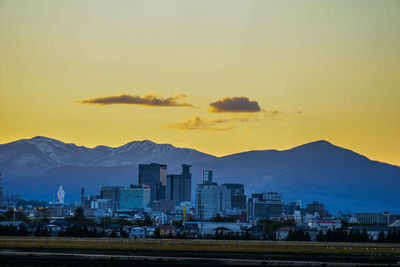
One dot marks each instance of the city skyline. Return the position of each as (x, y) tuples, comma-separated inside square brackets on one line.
[(229, 132), (221, 77)]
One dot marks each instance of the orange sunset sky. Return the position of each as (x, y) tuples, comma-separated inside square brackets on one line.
[(218, 76)]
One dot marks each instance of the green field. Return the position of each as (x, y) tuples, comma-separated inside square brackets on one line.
[(370, 249)]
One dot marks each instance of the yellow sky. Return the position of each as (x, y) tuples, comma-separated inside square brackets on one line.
[(331, 70)]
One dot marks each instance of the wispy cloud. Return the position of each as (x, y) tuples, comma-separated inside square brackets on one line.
[(151, 100), (229, 122), (234, 104), (197, 123), (277, 115)]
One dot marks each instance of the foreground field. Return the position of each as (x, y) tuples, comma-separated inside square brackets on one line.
[(202, 245), (263, 251)]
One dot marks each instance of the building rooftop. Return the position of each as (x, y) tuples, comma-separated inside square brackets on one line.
[(395, 224)]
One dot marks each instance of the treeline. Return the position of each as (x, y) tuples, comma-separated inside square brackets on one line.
[(393, 236), (11, 230), (71, 231), (269, 227), (298, 235), (342, 235)]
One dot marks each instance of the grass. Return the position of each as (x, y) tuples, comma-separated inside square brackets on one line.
[(202, 245)]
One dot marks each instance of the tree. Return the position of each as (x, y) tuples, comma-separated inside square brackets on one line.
[(269, 227), (157, 233), (79, 214), (147, 221), (307, 237), (219, 218), (12, 215), (381, 236), (364, 236), (113, 234), (320, 236)]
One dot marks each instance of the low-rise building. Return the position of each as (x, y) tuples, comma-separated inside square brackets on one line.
[(167, 230), (283, 232), (324, 225), (137, 232), (190, 230), (164, 205), (371, 217)]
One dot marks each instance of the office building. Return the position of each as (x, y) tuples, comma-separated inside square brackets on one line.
[(264, 205), (134, 197), (211, 199), (179, 186), (155, 176), (101, 204), (238, 198), (371, 217), (111, 193), (316, 207), (165, 205), (290, 208), (207, 176)]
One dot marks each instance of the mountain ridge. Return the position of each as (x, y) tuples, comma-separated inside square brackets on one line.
[(313, 171)]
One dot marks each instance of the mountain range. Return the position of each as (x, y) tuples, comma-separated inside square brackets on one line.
[(340, 178)]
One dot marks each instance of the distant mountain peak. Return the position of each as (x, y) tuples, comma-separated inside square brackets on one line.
[(319, 144), (146, 141), (40, 138)]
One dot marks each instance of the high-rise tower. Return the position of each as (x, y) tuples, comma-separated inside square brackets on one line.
[(155, 176), (207, 176), (179, 186)]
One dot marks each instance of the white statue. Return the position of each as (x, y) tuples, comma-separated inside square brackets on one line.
[(60, 195)]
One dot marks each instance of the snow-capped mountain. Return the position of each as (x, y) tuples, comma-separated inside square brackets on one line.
[(40, 154), (338, 177)]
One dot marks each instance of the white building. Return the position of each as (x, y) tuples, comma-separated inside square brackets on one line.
[(212, 199), (324, 225)]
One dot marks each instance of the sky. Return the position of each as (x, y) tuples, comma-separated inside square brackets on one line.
[(219, 76)]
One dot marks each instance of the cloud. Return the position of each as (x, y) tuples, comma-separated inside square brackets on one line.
[(197, 123), (152, 100), (277, 115), (234, 104)]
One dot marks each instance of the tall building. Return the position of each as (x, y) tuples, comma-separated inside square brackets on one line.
[(111, 193), (179, 186), (290, 208), (212, 199), (316, 207), (207, 176), (155, 176), (187, 183), (264, 205), (238, 198), (82, 197), (134, 197)]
